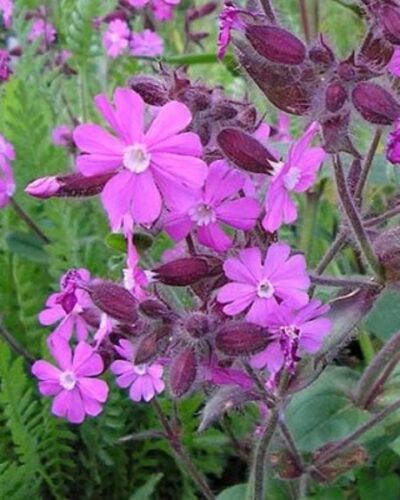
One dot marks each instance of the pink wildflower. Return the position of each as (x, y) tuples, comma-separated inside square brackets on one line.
[(7, 184), (116, 38), (6, 149), (281, 132), (162, 9), (5, 65), (393, 145), (294, 332), (297, 175), (394, 64), (77, 393), (207, 209), (68, 306), (144, 380), (42, 29), (229, 19), (147, 43), (159, 162), (62, 135), (259, 286), (6, 7), (135, 278)]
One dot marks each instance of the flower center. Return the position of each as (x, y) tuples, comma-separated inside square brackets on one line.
[(140, 369), (203, 214), (291, 179), (68, 380), (265, 290), (136, 158), (291, 331)]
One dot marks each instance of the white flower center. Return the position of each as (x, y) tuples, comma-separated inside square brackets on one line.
[(203, 214), (291, 179), (129, 279), (68, 380), (140, 369), (291, 331), (265, 290), (277, 167), (136, 158)]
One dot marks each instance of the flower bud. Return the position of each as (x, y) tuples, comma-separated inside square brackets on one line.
[(5, 65), (43, 188), (335, 97), (183, 272), (241, 338), (321, 54), (346, 461), (390, 22), (150, 345), (114, 300), (335, 130), (183, 372), (284, 465), (222, 110), (245, 151), (196, 98), (276, 44), (198, 325), (375, 103), (155, 309), (387, 249), (376, 51), (151, 90)]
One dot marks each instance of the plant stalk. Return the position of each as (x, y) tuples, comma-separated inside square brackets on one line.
[(304, 20), (343, 282), (15, 345), (28, 221)]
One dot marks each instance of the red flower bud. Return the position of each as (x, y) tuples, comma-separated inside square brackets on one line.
[(390, 21), (335, 97), (150, 345), (198, 325), (151, 90), (335, 130), (114, 300), (376, 51), (242, 338), (245, 151), (321, 54), (183, 372), (375, 103), (276, 44), (155, 309), (387, 248), (183, 272)]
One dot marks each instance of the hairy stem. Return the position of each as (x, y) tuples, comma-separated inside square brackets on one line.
[(28, 221), (376, 388), (354, 219), (343, 282), (15, 345), (267, 8), (176, 445), (374, 370), (291, 444), (378, 219), (304, 20), (358, 192)]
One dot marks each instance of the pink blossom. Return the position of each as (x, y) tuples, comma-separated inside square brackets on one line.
[(77, 392), (135, 278), (67, 306), (152, 166), (5, 65), (144, 380), (147, 43), (297, 175), (295, 332), (393, 144), (257, 287), (41, 28), (116, 38), (44, 187), (6, 7), (62, 135), (7, 184), (217, 203), (394, 64), (162, 9), (6, 149), (229, 19), (281, 132)]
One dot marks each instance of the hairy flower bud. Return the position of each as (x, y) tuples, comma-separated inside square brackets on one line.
[(376, 51), (241, 338), (321, 54), (155, 309), (114, 300), (183, 272), (389, 17), (198, 325), (284, 465), (347, 460), (335, 97), (375, 103), (149, 346), (276, 44), (245, 151), (183, 372), (222, 110), (335, 130), (387, 248), (151, 90)]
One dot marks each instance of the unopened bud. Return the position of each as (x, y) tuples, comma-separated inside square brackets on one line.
[(335, 97), (276, 44), (390, 21), (321, 54), (347, 460), (222, 110), (155, 309), (114, 300), (245, 151), (198, 325), (335, 130), (376, 51), (284, 465), (183, 272), (242, 338), (151, 90), (44, 187), (387, 249), (150, 345), (375, 103), (183, 372)]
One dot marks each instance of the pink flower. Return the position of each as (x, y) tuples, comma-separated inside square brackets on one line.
[(394, 64), (144, 380), (162, 9), (259, 286), (229, 19), (77, 393), (159, 164), (296, 175), (295, 332), (41, 28), (6, 7), (216, 204), (281, 132), (62, 135), (147, 43), (5, 65), (7, 184), (68, 306), (6, 149), (393, 145), (116, 38), (135, 278)]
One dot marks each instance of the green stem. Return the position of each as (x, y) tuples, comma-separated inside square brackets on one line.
[(366, 345), (343, 282), (358, 192), (28, 221), (15, 345)]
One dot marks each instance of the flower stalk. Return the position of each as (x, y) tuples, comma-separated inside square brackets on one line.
[(28, 221)]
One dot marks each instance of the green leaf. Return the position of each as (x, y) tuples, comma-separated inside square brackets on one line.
[(384, 319), (371, 487), (145, 491), (27, 246), (237, 492)]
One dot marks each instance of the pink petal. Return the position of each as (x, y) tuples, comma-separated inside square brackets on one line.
[(121, 366), (46, 371), (147, 388), (94, 164), (135, 392), (92, 407), (172, 118), (126, 379), (159, 385), (93, 388), (146, 199), (251, 258), (156, 370), (81, 328), (177, 225), (213, 236), (189, 171), (299, 147), (117, 197), (94, 139), (240, 214), (129, 112), (65, 328), (222, 182), (75, 408), (106, 109), (279, 209), (61, 352), (276, 257), (237, 271), (50, 316), (272, 357), (187, 144), (61, 404), (86, 361), (234, 291), (310, 163), (49, 388), (261, 310)]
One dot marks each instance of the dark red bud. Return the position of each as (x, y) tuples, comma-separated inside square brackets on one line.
[(276, 44), (196, 99), (151, 90), (183, 272), (335, 97), (387, 248), (375, 103), (201, 11), (242, 338), (150, 345), (222, 110), (198, 325), (321, 54), (76, 185), (347, 460), (155, 309), (375, 51), (91, 317), (114, 300), (245, 151), (390, 22), (335, 130), (284, 465), (183, 372)]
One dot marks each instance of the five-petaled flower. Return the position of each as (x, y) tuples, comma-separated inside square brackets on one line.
[(116, 38)]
